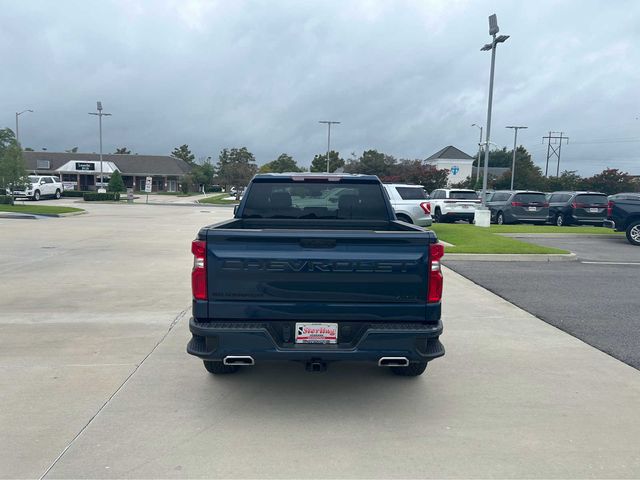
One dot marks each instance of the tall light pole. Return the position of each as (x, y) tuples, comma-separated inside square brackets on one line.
[(493, 30), (18, 126), (479, 151), (513, 163), (329, 123), (100, 114)]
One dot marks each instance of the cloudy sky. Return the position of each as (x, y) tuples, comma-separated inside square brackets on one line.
[(404, 77)]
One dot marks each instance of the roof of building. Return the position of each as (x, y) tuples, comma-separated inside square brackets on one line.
[(127, 164), (450, 152)]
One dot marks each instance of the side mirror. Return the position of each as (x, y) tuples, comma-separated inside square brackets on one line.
[(235, 210)]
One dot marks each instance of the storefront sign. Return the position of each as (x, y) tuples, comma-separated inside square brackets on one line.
[(70, 185), (85, 166)]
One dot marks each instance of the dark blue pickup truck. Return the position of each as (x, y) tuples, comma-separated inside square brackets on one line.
[(315, 268)]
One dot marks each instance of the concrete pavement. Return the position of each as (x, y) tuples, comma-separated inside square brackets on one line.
[(95, 382)]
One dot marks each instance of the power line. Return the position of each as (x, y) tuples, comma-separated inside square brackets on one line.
[(554, 148)]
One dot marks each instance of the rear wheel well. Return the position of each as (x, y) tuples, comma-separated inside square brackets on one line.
[(630, 219), (404, 217)]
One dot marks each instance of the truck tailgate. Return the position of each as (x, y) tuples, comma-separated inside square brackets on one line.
[(315, 275)]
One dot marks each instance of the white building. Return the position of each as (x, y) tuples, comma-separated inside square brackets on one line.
[(459, 164)]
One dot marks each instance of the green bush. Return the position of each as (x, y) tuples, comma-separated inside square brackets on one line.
[(6, 200), (100, 197), (213, 189), (73, 193)]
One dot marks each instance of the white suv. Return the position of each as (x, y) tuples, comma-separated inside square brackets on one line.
[(410, 203), (39, 186), (449, 205)]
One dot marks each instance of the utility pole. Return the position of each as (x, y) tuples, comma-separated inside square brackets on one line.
[(329, 123), (18, 126), (513, 163), (554, 148), (100, 114), (479, 152)]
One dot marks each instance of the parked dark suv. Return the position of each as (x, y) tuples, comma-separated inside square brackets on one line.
[(577, 208), (518, 206)]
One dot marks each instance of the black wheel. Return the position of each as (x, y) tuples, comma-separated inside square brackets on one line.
[(404, 218), (500, 219), (219, 368), (470, 220), (438, 216), (633, 233), (36, 195), (58, 194), (413, 370), (560, 222)]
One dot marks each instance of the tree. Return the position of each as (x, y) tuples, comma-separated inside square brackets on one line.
[(122, 151), (528, 174), (12, 167), (203, 173), (419, 173), (284, 163), (236, 167), (610, 181), (319, 163), (116, 184), (568, 180), (182, 152), (372, 162)]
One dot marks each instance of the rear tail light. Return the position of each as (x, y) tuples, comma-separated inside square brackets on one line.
[(426, 207), (436, 252), (610, 208), (516, 204), (199, 272)]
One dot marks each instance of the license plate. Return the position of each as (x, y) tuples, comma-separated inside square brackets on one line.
[(326, 333), (532, 209), (594, 210)]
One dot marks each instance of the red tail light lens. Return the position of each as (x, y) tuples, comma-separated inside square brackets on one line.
[(436, 252), (516, 204), (199, 272), (610, 208), (426, 207)]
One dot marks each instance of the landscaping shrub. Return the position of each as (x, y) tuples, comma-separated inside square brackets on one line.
[(213, 189), (6, 200), (73, 193), (100, 197)]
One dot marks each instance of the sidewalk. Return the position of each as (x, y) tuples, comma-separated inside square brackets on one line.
[(513, 397)]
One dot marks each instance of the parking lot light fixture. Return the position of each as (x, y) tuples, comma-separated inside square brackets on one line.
[(479, 152), (513, 163), (100, 114), (329, 123), (17, 123)]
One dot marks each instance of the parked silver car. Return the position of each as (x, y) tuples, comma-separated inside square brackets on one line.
[(410, 203)]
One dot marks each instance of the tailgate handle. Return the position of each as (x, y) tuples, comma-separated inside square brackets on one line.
[(317, 243)]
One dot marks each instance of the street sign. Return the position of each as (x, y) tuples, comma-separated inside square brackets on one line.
[(147, 185), (130, 195)]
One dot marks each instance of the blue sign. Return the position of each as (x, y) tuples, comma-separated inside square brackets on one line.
[(455, 170)]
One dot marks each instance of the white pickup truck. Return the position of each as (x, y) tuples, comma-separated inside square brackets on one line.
[(449, 205), (39, 186)]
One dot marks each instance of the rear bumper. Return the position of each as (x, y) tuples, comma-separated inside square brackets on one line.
[(216, 340), (458, 215)]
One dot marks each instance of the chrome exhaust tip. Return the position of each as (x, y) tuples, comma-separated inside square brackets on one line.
[(238, 360), (393, 362)]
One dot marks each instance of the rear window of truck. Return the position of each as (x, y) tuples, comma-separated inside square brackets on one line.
[(463, 195), (316, 200), (412, 193)]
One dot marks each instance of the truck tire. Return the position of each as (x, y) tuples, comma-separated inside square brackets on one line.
[(500, 219), (560, 221), (413, 370), (219, 368), (437, 217), (633, 233), (36, 195), (58, 194)]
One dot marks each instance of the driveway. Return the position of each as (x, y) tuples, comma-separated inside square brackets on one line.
[(95, 381)]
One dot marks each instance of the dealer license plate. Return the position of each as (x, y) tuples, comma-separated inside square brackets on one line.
[(532, 209), (594, 210), (317, 333)]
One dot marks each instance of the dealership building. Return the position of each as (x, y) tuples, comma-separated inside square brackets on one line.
[(459, 164), (81, 171)]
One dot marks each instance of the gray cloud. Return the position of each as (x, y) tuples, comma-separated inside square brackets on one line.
[(405, 77)]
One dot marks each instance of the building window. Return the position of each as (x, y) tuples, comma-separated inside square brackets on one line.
[(43, 164)]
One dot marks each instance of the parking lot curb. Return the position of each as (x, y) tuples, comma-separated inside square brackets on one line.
[(561, 235), (512, 257)]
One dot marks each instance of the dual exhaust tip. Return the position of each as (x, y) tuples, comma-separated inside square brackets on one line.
[(315, 366)]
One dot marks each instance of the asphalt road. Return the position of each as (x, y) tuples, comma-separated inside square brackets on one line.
[(95, 381), (596, 299)]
